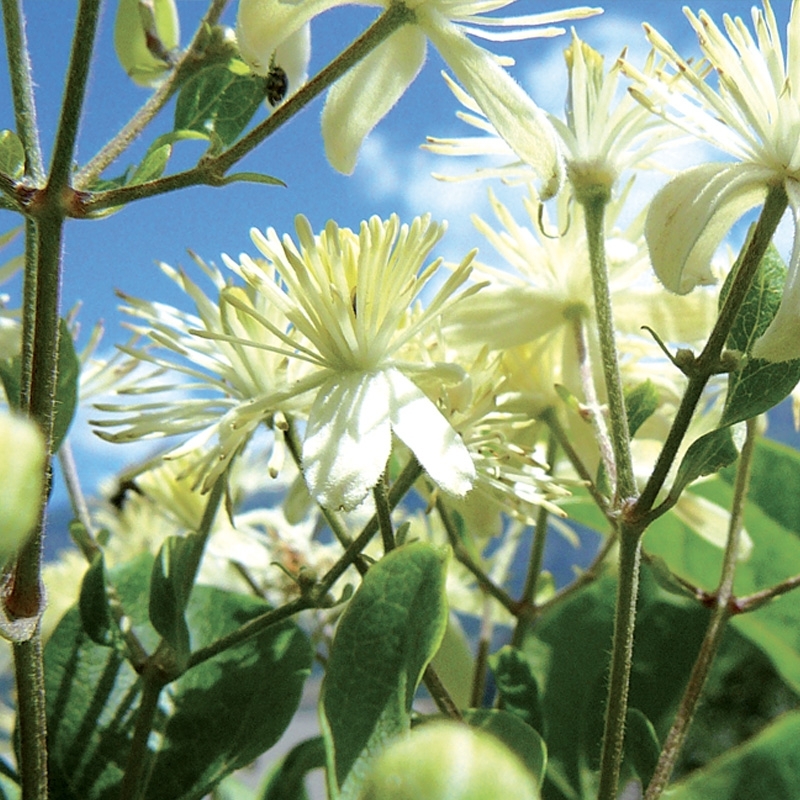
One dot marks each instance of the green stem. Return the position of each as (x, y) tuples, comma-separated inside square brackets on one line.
[(211, 170), (87, 543), (529, 591), (19, 70), (440, 695), (707, 363), (405, 480), (137, 769), (550, 418), (74, 94), (594, 206), (591, 401), (145, 115), (31, 718), (621, 660), (463, 557), (592, 573), (384, 514), (719, 618), (751, 602), (248, 630)]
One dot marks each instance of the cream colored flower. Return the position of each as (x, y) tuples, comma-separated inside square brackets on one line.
[(601, 136), (754, 116), (360, 99), (347, 298), (218, 374), (549, 285)]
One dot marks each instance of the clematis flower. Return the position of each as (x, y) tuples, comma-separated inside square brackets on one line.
[(347, 299), (754, 116), (316, 333), (214, 374), (600, 137), (365, 94)]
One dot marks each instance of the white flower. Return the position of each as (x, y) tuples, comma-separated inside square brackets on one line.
[(347, 297), (753, 115), (600, 137), (216, 373), (365, 94)]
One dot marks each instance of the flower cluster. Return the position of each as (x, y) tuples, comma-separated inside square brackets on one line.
[(753, 115)]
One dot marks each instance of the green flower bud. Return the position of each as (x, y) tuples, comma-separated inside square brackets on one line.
[(21, 475), (449, 761), (145, 34)]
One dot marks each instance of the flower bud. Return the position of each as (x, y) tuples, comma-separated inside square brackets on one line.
[(21, 475), (145, 34), (449, 761)]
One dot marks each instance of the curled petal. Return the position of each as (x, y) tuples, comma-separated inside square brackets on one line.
[(518, 120), (348, 439), (364, 95), (261, 26), (781, 340), (422, 427), (689, 217)]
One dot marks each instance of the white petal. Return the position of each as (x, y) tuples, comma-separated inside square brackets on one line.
[(292, 56), (364, 95), (689, 217), (261, 25), (422, 427), (348, 439), (518, 120), (781, 340)]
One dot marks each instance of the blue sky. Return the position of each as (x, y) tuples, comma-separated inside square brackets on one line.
[(393, 174)]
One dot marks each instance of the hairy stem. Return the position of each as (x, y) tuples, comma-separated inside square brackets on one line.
[(621, 661), (707, 363), (145, 115), (384, 514), (137, 769), (211, 170), (719, 618), (19, 70), (623, 483)]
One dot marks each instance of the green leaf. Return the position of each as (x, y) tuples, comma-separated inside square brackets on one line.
[(568, 655), (775, 627), (12, 155), (250, 177), (170, 587), (387, 635), (517, 685), (641, 403), (759, 385), (287, 781), (93, 605), (11, 377), (774, 478), (766, 766), (220, 102), (217, 717), (516, 734), (641, 745), (152, 165), (709, 454)]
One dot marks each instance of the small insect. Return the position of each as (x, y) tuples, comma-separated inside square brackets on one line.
[(125, 487), (277, 85)]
